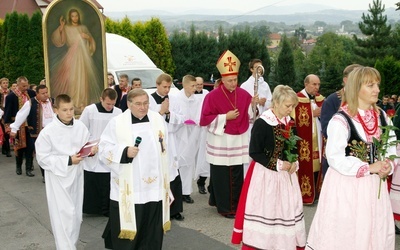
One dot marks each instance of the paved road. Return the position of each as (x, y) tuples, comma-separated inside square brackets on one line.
[(25, 223)]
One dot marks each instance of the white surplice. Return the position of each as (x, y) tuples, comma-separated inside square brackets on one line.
[(96, 122), (64, 183), (187, 136)]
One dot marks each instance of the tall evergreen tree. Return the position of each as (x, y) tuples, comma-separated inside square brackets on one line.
[(331, 54), (11, 49), (23, 42), (3, 25), (34, 69), (159, 49), (389, 68), (180, 48), (377, 43), (285, 71), (203, 54)]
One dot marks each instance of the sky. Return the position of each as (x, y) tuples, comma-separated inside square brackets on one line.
[(239, 5)]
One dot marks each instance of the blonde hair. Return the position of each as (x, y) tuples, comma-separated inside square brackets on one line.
[(358, 77), (188, 78), (282, 93), (163, 77)]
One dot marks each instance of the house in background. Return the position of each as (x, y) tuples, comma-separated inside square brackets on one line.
[(275, 39)]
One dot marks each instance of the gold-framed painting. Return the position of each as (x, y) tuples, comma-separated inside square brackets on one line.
[(75, 51)]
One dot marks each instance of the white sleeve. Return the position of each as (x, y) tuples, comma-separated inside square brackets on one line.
[(338, 133), (217, 126), (21, 116), (110, 151)]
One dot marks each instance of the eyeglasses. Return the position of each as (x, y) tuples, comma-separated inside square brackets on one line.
[(140, 104)]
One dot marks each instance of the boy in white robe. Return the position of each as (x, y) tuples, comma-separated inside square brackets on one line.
[(96, 197), (187, 133), (159, 102), (57, 148)]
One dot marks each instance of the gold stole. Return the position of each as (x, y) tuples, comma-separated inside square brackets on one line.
[(126, 199)]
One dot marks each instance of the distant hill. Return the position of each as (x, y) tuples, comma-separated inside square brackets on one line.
[(294, 14)]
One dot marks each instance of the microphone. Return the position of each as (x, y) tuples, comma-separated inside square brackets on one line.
[(138, 140)]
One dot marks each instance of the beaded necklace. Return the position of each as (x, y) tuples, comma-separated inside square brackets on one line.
[(368, 131)]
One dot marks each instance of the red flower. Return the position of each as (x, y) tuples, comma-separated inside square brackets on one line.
[(390, 112)]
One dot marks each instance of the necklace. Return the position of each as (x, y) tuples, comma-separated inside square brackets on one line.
[(368, 131), (233, 106)]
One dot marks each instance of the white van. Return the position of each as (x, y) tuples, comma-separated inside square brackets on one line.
[(124, 57)]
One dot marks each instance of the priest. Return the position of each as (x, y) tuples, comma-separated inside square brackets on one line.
[(307, 117), (133, 146)]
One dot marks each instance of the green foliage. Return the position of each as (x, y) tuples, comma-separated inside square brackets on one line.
[(180, 49), (198, 52), (202, 46), (159, 49), (11, 49), (34, 68), (22, 45), (3, 32), (331, 54), (389, 68), (300, 68), (300, 33), (246, 47), (377, 43), (285, 72), (150, 36)]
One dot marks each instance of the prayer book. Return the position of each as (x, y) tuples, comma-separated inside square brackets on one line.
[(87, 148)]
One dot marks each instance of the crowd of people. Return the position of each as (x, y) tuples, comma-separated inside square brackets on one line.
[(133, 157)]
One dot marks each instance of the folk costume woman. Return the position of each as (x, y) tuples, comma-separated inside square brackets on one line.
[(354, 210), (270, 211)]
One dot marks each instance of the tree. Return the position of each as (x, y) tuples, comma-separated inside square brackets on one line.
[(331, 54), (150, 36), (204, 52), (261, 32), (24, 40), (35, 68), (246, 47), (285, 72), (11, 48), (320, 24), (181, 53), (389, 68), (300, 33), (3, 31), (159, 49), (377, 43)]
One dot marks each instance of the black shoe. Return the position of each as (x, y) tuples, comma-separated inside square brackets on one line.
[(202, 189), (29, 173), (43, 180), (230, 216), (8, 154), (187, 199), (178, 217), (19, 171), (397, 230)]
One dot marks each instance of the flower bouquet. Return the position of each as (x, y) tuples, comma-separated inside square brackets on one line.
[(290, 140), (382, 146)]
